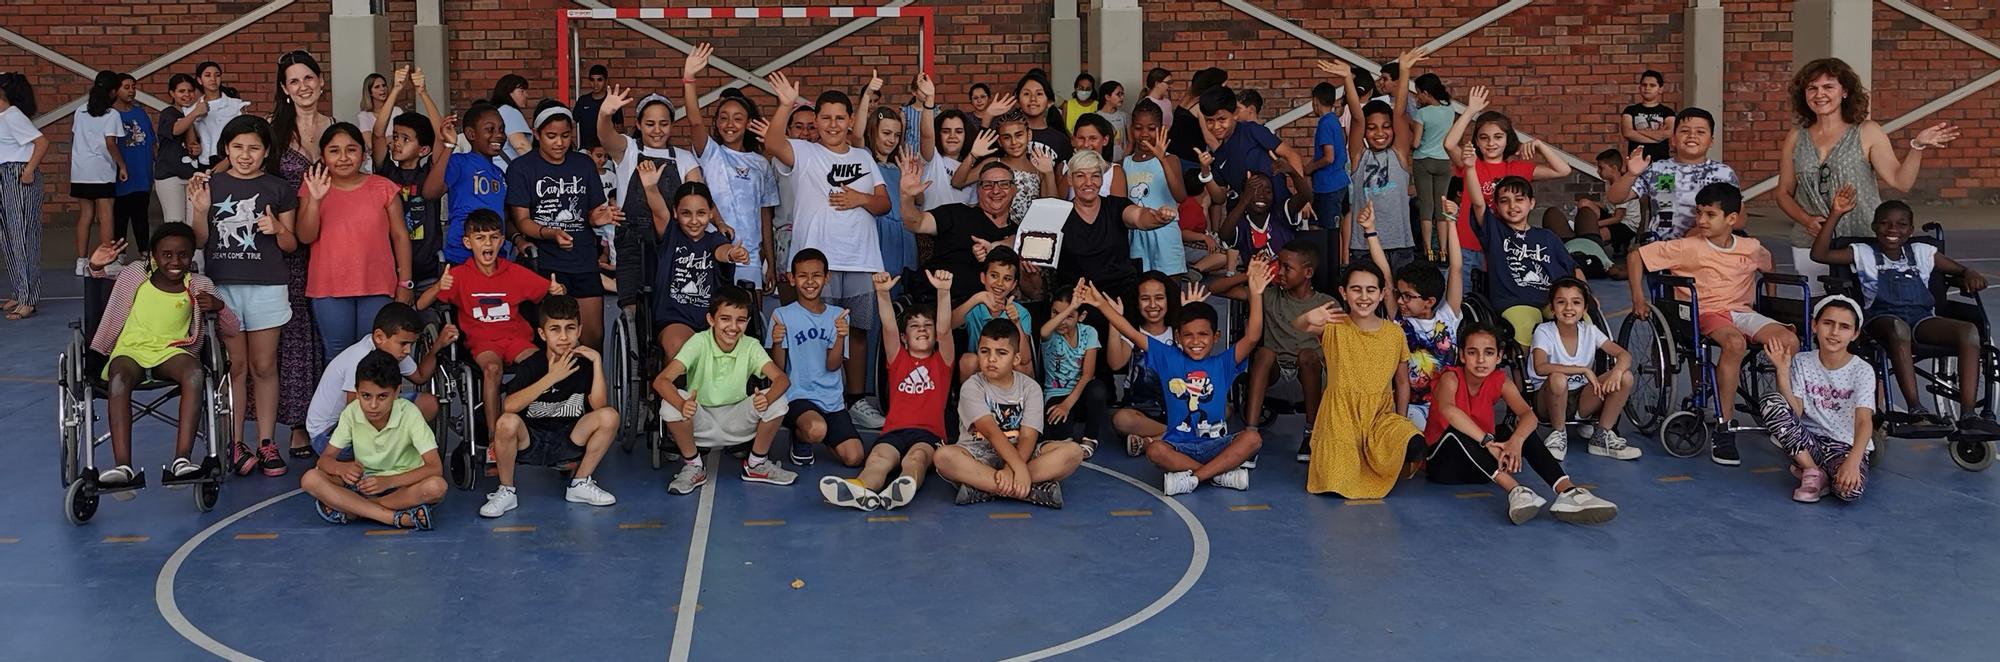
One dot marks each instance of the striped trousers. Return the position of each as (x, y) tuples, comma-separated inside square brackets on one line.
[(21, 232)]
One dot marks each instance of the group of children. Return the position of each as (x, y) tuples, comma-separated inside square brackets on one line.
[(824, 220)]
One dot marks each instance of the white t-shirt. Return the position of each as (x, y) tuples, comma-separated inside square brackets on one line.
[(1548, 338), (940, 193), (512, 121), (847, 237), (366, 119), (1919, 259), (17, 136), (89, 158), (1832, 396), (220, 111), (331, 395), (628, 166)]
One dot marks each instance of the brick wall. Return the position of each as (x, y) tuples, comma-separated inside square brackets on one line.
[(1561, 69)]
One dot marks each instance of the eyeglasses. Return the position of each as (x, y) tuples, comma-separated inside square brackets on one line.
[(1406, 296), (985, 185)]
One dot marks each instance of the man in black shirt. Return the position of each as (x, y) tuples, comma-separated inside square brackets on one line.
[(587, 104), (963, 232)]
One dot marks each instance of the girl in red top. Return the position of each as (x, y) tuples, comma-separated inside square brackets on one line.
[(354, 220), (1465, 450), (1497, 152), (921, 374)]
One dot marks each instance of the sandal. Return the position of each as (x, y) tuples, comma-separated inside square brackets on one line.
[(304, 452), (328, 513), (8, 304), (418, 518), (21, 312)]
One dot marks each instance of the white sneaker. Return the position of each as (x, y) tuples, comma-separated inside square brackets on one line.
[(1523, 504), (846, 493), (1558, 443), (82, 267), (586, 491), (1235, 479), (1178, 483), (1609, 444), (864, 415), (499, 502), (1579, 506)]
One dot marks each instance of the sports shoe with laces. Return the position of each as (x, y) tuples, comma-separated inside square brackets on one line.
[(1523, 504), (269, 460), (767, 471), (585, 490), (899, 492), (241, 458), (802, 453), (1579, 506), (1608, 444), (846, 493), (688, 478), (1558, 443), (968, 495), (1047, 494), (1178, 483), (865, 415), (1235, 479), (499, 502), (1812, 485)]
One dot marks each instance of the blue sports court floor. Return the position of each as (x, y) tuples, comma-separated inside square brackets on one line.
[(1704, 562)]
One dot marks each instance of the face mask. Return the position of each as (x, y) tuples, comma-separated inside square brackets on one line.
[(1083, 95)]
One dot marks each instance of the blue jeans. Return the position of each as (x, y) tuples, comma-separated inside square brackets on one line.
[(344, 321), (1470, 261), (1329, 206)]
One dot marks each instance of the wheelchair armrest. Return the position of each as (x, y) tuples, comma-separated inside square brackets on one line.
[(1841, 284), (1670, 279), (1935, 229), (1794, 280)]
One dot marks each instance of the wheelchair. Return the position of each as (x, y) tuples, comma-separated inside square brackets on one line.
[(1937, 366), (459, 384), (1668, 341), (80, 386), (634, 340)]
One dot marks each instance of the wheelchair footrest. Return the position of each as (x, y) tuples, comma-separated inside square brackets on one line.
[(138, 482), (1918, 430), (207, 471)]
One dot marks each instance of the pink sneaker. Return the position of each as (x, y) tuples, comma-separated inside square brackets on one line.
[(1812, 486)]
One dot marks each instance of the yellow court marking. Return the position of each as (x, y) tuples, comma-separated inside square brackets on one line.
[(1364, 502), (1474, 495), (256, 536), (127, 538), (387, 532), (1010, 516), (522, 528), (763, 522), (1141, 512), (650, 524), (888, 518), (1677, 478), (1254, 506), (1765, 470), (1925, 446)]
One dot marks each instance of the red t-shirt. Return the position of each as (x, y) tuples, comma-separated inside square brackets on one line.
[(918, 399), (1479, 406), (1489, 174), (489, 305)]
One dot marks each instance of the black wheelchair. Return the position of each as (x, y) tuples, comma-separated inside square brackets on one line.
[(80, 385), (1937, 366), (1668, 341)]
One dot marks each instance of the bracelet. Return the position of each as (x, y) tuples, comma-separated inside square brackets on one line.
[(1914, 145), (1371, 234), (1205, 178), (687, 80)]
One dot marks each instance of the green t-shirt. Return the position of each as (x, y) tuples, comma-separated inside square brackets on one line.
[(720, 378), (397, 448)]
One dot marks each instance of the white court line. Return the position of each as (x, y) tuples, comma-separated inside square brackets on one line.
[(691, 581), (1197, 563), (163, 586)]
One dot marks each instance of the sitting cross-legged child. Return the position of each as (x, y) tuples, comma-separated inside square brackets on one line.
[(557, 410), (395, 476), (1000, 451)]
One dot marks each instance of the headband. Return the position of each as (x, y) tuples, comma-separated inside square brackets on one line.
[(653, 99), (1829, 299), (550, 113)]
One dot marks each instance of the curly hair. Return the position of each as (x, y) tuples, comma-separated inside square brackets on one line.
[(1853, 109)]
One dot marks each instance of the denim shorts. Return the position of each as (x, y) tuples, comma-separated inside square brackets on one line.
[(259, 306)]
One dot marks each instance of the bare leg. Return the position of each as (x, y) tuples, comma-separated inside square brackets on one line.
[(264, 372), (1132, 421), (849, 452), (761, 446), (510, 437), (594, 433), (125, 374), (185, 371), (592, 311), (1056, 461), (1728, 368), (673, 336), (1555, 221), (682, 433), (881, 458), (916, 462), (960, 467), (856, 365), (489, 386), (1312, 380), (1262, 367)]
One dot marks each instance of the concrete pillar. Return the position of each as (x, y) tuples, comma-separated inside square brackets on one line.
[(1065, 48), (1117, 45), (359, 35), (432, 42), (1835, 28), (1703, 66)]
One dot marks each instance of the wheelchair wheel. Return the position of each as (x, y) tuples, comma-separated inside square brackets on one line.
[(79, 502), (69, 418), (206, 494), (631, 387), (1942, 400), (1683, 434), (1972, 455), (1653, 364)]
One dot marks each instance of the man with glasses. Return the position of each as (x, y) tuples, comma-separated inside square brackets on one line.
[(963, 233), (587, 105)]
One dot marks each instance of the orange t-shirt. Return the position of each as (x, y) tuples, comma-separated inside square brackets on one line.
[(1725, 277), (353, 256)]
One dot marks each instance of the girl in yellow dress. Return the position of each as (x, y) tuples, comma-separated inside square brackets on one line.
[(1360, 441), (152, 330)]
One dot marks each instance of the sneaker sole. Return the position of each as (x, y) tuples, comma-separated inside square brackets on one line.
[(767, 480), (572, 499), (1726, 463), (1522, 515), (829, 491), (274, 473), (689, 490), (1134, 446), (1812, 499), (1598, 515), (1601, 452), (482, 512)]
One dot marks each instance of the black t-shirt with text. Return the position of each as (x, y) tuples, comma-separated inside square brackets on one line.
[(558, 196), (561, 405)]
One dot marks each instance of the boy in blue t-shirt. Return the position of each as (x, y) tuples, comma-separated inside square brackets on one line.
[(809, 339), (1329, 164), (1522, 262), (1001, 278), (1198, 445), (472, 181)]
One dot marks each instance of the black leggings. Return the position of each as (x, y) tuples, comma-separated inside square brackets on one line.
[(1461, 460), (1090, 419), (130, 211)]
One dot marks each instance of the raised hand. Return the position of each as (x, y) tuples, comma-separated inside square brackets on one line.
[(777, 332), (985, 144), (940, 279), (318, 181), (840, 327), (445, 280), (787, 91), (1411, 58), (1937, 135), (197, 191), (649, 173), (926, 89), (875, 82), (1260, 274), (616, 98), (980, 247), (1476, 100), (267, 223), (761, 129), (1637, 161), (697, 60), (1042, 158), (760, 399), (106, 253), (1328, 313), (912, 184), (1366, 217), (1193, 292), (1468, 155), (884, 282), (1449, 207), (1843, 201), (738, 254), (449, 132), (402, 76), (1205, 158), (1337, 69), (1001, 104), (417, 77), (555, 287)]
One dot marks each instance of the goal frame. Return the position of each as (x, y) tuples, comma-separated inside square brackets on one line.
[(568, 67)]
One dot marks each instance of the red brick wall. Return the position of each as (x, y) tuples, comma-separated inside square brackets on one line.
[(1562, 69)]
